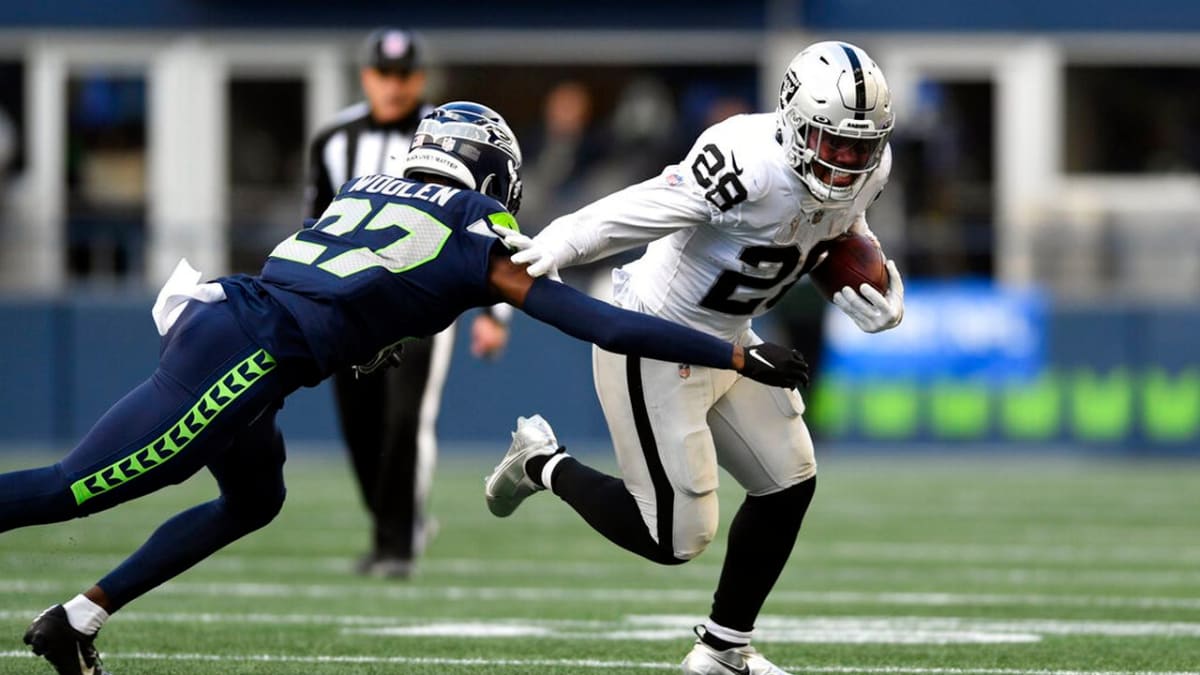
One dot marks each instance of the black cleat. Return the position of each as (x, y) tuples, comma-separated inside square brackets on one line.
[(68, 650)]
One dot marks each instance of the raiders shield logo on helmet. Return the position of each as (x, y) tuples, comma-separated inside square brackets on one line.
[(788, 88)]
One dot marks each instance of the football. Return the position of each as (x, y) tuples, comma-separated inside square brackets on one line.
[(851, 260)]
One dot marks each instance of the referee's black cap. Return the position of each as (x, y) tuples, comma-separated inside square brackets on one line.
[(392, 50)]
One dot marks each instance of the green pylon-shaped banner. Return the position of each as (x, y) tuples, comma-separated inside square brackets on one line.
[(1102, 405), (1032, 411), (889, 409), (959, 409), (829, 406), (1171, 407)]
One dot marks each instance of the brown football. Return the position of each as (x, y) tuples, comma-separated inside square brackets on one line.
[(852, 260)]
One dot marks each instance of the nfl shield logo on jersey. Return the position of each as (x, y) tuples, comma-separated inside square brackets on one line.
[(685, 371)]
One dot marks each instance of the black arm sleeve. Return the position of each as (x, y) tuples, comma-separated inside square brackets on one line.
[(622, 331)]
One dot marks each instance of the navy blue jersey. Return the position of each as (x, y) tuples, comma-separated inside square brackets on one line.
[(389, 259)]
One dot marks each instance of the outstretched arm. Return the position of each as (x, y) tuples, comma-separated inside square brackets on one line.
[(625, 332), (636, 215)]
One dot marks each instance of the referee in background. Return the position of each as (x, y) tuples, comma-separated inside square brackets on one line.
[(388, 417)]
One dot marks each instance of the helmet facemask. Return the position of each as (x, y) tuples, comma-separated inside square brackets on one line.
[(833, 161)]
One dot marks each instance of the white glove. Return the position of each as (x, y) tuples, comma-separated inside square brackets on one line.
[(541, 261), (872, 311)]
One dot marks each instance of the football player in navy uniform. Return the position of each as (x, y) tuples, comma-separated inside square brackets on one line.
[(730, 230), (390, 259)]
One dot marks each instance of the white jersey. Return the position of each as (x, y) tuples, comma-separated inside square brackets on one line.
[(731, 227)]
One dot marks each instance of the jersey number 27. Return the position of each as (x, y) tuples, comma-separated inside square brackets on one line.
[(419, 238)]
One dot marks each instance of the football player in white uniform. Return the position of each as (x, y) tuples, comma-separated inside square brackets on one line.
[(731, 229)]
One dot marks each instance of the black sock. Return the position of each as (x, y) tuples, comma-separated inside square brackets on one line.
[(608, 507), (760, 540), (535, 464)]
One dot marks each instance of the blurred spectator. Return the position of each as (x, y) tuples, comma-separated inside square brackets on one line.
[(8, 151), (703, 105), (389, 417), (640, 141), (558, 156)]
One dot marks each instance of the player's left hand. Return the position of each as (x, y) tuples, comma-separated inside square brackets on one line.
[(774, 365), (489, 337), (871, 310), (528, 252)]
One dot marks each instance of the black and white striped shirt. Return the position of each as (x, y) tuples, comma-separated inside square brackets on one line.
[(356, 145)]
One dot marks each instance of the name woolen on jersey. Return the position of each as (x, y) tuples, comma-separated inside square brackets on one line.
[(403, 187)]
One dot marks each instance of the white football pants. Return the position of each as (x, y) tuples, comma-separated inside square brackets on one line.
[(673, 424)]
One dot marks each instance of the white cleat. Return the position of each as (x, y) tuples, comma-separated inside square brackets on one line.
[(759, 665), (704, 660), (509, 485)]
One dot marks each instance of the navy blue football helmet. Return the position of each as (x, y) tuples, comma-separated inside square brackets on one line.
[(471, 144)]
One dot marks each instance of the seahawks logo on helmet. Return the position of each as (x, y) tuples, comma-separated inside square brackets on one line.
[(501, 139)]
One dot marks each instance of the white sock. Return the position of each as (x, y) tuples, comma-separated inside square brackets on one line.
[(84, 615), (548, 469), (737, 637)]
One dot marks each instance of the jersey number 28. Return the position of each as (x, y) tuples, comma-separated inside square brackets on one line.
[(778, 270), (722, 186)]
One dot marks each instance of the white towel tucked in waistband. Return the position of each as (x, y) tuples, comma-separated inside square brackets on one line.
[(182, 287)]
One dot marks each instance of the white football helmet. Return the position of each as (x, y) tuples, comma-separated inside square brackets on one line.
[(835, 115)]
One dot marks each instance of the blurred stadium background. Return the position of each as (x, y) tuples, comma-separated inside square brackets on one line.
[(1044, 202), (1044, 206)]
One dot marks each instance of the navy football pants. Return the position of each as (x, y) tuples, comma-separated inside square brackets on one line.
[(210, 403)]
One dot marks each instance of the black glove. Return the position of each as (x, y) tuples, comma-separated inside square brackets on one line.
[(775, 365)]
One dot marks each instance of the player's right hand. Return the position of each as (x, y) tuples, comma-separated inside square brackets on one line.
[(775, 365), (528, 251), (871, 310)]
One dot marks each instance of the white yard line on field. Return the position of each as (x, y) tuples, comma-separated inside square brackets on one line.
[(1027, 553), (623, 595), (1181, 555), (780, 629), (643, 628), (574, 663), (465, 568)]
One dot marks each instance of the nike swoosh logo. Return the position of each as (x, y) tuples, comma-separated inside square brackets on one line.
[(744, 670), (754, 353), (737, 170)]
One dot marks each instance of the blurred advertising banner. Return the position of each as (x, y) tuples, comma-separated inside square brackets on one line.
[(975, 362), (951, 329)]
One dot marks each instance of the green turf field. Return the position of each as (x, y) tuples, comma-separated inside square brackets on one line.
[(937, 565)]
